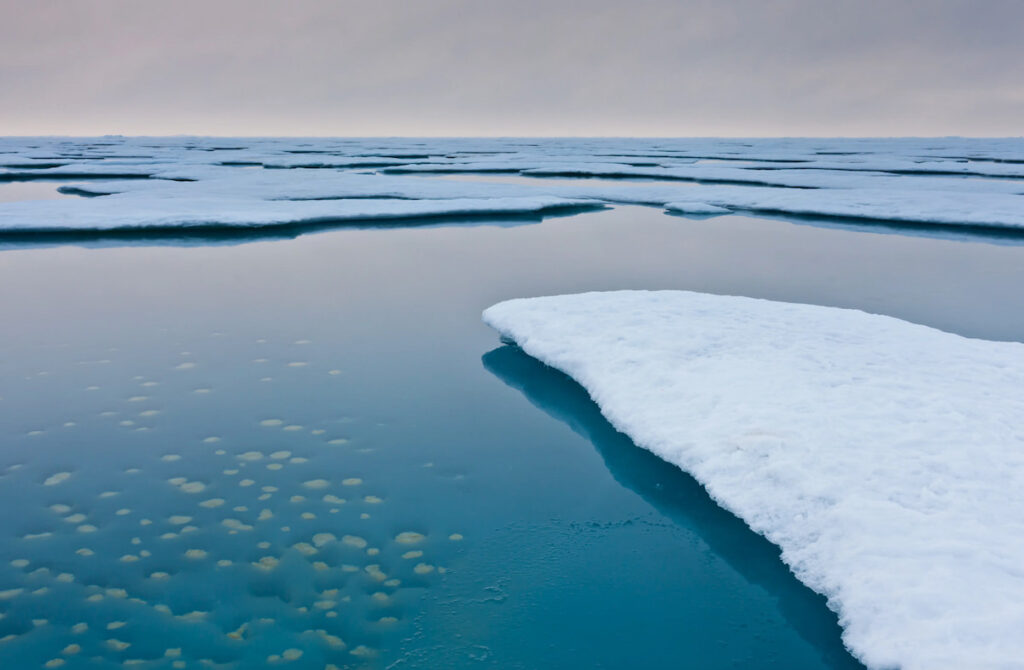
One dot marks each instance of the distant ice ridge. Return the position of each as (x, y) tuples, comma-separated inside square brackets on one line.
[(171, 182), (885, 458)]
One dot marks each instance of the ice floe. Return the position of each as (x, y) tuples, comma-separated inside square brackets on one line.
[(885, 458), (135, 211), (201, 183)]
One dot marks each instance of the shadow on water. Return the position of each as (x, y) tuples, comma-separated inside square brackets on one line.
[(677, 496), (223, 235)]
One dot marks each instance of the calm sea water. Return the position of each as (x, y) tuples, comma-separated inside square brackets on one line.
[(14, 191), (234, 452)]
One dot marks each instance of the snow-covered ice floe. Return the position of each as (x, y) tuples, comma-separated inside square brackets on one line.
[(155, 183), (885, 459), (129, 212)]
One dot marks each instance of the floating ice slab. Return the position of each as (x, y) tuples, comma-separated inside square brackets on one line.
[(989, 210), (132, 211), (886, 459), (696, 208)]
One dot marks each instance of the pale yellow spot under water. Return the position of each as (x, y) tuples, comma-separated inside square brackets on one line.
[(267, 563), (354, 541), (317, 484), (57, 478), (320, 539)]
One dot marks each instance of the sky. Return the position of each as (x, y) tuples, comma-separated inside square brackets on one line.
[(512, 67)]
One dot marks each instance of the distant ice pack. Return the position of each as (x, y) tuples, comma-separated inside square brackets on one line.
[(191, 182)]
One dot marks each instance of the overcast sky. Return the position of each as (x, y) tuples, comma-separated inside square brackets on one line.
[(512, 67)]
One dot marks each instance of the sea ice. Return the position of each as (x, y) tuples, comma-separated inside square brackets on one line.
[(136, 211), (172, 183), (885, 458)]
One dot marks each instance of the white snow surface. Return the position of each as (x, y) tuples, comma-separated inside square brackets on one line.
[(250, 182), (885, 459)]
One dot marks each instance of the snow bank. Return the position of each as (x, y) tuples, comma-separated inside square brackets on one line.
[(886, 459)]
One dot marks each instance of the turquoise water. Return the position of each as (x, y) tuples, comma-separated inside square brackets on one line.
[(181, 420)]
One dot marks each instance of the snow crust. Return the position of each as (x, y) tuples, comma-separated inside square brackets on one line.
[(172, 182), (885, 458)]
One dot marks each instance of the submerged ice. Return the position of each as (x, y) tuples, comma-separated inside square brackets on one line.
[(174, 562), (886, 459)]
